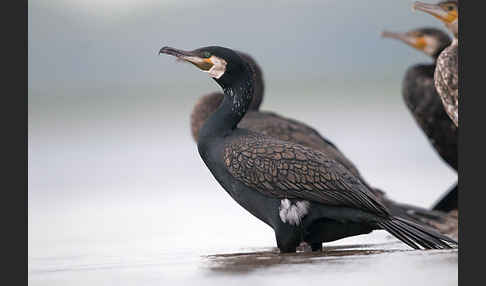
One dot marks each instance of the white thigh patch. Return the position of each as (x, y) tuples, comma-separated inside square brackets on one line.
[(293, 213)]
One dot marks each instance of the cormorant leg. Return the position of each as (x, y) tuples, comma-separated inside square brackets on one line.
[(448, 201), (316, 246), (288, 238)]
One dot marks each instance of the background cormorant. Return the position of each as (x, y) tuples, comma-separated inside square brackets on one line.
[(421, 98), (446, 77), (288, 186)]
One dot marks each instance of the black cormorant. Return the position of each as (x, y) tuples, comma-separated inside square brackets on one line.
[(446, 72), (299, 192), (421, 98)]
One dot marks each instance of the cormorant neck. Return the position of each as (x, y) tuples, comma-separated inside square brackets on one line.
[(435, 56), (258, 88), (438, 51), (236, 101), (454, 28)]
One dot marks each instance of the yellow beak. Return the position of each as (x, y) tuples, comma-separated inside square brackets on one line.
[(204, 64), (436, 11)]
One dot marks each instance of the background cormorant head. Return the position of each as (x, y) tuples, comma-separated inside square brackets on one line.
[(428, 40), (224, 65), (446, 11)]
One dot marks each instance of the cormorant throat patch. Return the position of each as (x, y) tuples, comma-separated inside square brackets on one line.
[(218, 68)]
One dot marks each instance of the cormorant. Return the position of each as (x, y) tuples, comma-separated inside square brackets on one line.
[(421, 98), (279, 127), (300, 192), (446, 72)]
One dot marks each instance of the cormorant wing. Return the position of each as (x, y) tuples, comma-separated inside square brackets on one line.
[(283, 169), (447, 81), (286, 129)]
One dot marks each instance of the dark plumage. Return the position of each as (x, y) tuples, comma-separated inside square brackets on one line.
[(286, 170), (337, 201), (419, 94)]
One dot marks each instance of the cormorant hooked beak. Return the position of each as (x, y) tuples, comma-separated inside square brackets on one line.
[(417, 42), (436, 10), (192, 57), (201, 58)]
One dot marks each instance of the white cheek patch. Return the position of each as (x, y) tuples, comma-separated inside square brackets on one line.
[(218, 68), (293, 213)]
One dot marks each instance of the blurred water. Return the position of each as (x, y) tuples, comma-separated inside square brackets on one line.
[(118, 194)]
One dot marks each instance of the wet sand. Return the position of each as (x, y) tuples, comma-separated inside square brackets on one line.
[(248, 261)]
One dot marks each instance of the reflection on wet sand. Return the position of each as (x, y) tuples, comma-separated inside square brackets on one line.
[(248, 261)]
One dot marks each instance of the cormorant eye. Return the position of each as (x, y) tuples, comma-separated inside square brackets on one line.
[(449, 7), (206, 54)]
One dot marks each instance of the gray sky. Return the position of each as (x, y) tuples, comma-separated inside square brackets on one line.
[(109, 43)]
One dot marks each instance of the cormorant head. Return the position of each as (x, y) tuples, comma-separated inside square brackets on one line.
[(446, 11), (224, 65), (428, 40)]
